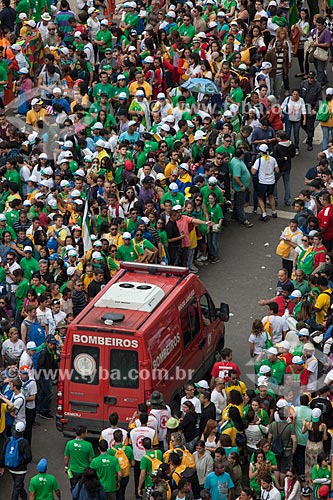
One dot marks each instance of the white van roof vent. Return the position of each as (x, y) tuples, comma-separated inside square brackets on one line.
[(132, 296)]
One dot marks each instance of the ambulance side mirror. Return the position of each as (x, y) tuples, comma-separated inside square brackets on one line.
[(223, 312)]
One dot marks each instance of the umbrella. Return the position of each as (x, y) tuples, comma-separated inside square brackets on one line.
[(202, 85)]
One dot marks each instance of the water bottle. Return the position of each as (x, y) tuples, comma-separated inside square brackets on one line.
[(69, 472)]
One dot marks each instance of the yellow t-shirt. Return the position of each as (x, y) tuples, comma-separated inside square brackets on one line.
[(323, 304), (3, 407)]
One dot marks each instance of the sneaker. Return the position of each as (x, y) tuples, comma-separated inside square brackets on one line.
[(254, 210), (193, 268), (202, 258), (247, 223), (297, 152), (215, 260), (263, 218), (194, 271), (47, 416), (274, 215), (310, 147)]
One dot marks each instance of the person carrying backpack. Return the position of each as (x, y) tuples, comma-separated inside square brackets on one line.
[(15, 455), (125, 457), (149, 463), (108, 470)]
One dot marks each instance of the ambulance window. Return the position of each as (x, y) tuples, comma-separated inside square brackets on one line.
[(190, 323), (124, 368), (85, 364), (207, 309)]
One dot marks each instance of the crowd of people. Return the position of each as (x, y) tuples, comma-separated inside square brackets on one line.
[(138, 139)]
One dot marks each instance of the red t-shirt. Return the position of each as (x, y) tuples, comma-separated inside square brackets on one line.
[(319, 255), (286, 358), (281, 305), (304, 375), (325, 219), (221, 369)]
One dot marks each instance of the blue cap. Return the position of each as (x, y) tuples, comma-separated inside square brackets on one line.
[(54, 256), (42, 465)]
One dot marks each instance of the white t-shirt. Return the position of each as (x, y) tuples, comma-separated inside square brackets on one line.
[(195, 401), (162, 417), (13, 350), (259, 342), (277, 323), (273, 494), (29, 388), (136, 436), (19, 403), (26, 360), (152, 422), (220, 401), (266, 169), (294, 109), (107, 434), (311, 365)]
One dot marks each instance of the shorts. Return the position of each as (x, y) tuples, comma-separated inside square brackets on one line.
[(285, 462), (264, 190)]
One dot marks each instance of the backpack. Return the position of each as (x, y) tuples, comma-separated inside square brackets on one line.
[(12, 453), (268, 327), (186, 456), (124, 463), (277, 443), (155, 462), (240, 440), (35, 332)]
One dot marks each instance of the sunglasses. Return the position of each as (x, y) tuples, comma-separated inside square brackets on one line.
[(304, 240), (113, 251)]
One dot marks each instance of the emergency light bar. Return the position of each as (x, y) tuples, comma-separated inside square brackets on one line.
[(154, 268)]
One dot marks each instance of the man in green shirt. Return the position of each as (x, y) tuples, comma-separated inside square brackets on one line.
[(147, 464), (129, 252), (226, 146), (107, 469), (187, 31), (212, 187), (300, 283), (103, 87), (21, 293), (131, 20), (78, 454), (240, 180), (5, 227), (103, 39), (173, 195), (277, 366), (29, 264), (118, 450), (43, 485)]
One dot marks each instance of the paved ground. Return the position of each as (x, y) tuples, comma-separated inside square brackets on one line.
[(246, 272)]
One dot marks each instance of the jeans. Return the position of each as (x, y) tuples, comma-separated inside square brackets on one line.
[(44, 395), (122, 488), (213, 243), (277, 85), (190, 258), (74, 480), (30, 414), (327, 136), (239, 200), (299, 459), (321, 74), (182, 257), (18, 487), (286, 182), (295, 126), (310, 127)]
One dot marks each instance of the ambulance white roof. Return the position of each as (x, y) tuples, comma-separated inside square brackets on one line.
[(133, 296)]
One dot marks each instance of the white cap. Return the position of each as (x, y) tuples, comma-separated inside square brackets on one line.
[(31, 23), (212, 24), (171, 13), (52, 202), (69, 247), (80, 172), (161, 95), (212, 180), (266, 65), (23, 16), (139, 93), (169, 119), (303, 332), (46, 16), (68, 144), (44, 183), (148, 59), (272, 350), (131, 123), (77, 34), (27, 249), (131, 48), (64, 183), (31, 345), (202, 34), (177, 207), (297, 360), (35, 101), (329, 91), (104, 22), (78, 202), (32, 178), (100, 143), (96, 255), (165, 127), (199, 135), (98, 243), (47, 170), (23, 71), (16, 46), (184, 166), (316, 413), (202, 384), (75, 193), (173, 186), (227, 114), (284, 344), (263, 147), (91, 10), (27, 203), (264, 369), (122, 95), (70, 271), (72, 253), (262, 381), (127, 236), (19, 427), (56, 90), (308, 347), (43, 156), (97, 126), (282, 403), (121, 77)]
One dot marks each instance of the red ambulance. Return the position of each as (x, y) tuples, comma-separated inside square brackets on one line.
[(151, 328)]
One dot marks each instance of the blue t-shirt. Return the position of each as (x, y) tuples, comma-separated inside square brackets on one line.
[(218, 485), (130, 138)]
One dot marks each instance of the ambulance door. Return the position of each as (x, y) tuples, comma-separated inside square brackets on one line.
[(209, 324), (191, 329)]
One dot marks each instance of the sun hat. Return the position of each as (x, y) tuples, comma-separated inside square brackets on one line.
[(273, 351), (315, 414), (202, 384)]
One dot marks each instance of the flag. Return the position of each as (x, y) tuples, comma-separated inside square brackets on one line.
[(293, 16), (85, 231)]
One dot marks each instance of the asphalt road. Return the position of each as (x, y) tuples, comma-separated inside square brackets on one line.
[(246, 272)]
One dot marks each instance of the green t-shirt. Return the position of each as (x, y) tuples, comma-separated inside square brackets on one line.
[(178, 199), (21, 293), (29, 267), (187, 31), (128, 253), (127, 450), (239, 169), (277, 369), (146, 464), (106, 36), (303, 287), (12, 216), (43, 486), (100, 87), (106, 468), (205, 191), (79, 452), (215, 213), (39, 289), (10, 230), (229, 149)]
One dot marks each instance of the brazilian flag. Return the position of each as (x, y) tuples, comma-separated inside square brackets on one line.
[(293, 15)]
